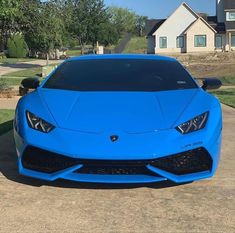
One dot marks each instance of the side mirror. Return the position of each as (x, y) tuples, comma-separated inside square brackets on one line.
[(211, 84), (30, 83)]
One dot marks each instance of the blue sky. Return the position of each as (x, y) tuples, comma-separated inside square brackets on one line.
[(163, 8)]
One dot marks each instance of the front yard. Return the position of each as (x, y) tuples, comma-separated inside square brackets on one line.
[(30, 72), (226, 96), (15, 78), (6, 120), (7, 61)]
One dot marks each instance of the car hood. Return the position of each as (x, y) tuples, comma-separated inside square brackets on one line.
[(131, 112)]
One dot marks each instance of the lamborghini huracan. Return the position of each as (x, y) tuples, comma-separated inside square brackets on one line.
[(119, 119)]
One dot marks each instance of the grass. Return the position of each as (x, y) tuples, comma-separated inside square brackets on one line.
[(6, 120), (11, 81), (228, 80), (15, 78), (15, 60), (226, 96), (30, 72), (223, 70), (14, 81), (136, 45), (25, 73), (73, 52)]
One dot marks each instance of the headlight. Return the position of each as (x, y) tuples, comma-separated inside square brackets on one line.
[(193, 125), (39, 124)]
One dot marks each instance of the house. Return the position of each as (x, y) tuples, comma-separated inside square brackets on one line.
[(186, 31)]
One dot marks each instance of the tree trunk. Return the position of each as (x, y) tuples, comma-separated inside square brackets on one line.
[(82, 45), (47, 63)]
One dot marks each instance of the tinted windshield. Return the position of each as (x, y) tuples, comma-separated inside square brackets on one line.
[(120, 75)]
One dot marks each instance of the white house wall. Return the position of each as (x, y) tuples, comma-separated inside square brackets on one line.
[(174, 26), (200, 28)]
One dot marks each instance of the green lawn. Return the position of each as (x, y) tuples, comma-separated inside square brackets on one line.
[(226, 96), (228, 80), (25, 73), (11, 81), (6, 120), (30, 72), (73, 52), (136, 45), (15, 60)]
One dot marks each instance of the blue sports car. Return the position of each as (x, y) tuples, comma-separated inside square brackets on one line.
[(119, 119)]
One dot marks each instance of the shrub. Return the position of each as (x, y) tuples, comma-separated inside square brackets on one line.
[(2, 56), (3, 85), (5, 89), (16, 46)]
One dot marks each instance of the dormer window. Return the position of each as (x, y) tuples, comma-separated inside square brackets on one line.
[(230, 16)]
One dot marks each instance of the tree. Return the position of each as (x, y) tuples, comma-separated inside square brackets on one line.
[(17, 46), (123, 19), (108, 34), (43, 26), (140, 24), (87, 19), (50, 24), (127, 21), (10, 15)]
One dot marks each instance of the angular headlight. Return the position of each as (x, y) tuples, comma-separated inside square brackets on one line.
[(37, 123), (193, 125)]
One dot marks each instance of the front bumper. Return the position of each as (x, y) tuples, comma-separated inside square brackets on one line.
[(182, 167)]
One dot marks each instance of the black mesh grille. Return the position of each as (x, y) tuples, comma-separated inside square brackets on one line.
[(183, 163), (44, 161), (192, 161), (115, 170)]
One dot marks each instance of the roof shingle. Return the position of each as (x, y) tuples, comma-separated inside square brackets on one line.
[(229, 4)]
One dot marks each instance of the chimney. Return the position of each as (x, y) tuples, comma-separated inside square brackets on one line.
[(220, 11)]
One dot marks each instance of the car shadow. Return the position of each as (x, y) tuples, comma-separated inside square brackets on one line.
[(5, 127), (8, 168)]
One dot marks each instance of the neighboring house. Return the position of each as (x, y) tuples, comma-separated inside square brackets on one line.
[(187, 31)]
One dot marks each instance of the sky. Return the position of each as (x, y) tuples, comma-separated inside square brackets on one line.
[(163, 8)]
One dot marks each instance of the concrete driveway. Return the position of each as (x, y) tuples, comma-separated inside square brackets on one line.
[(28, 205)]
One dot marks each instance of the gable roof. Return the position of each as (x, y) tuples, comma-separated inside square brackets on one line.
[(157, 24), (190, 9), (208, 25), (218, 26), (160, 22), (184, 5), (204, 21)]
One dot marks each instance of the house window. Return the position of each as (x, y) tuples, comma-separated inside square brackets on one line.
[(231, 16), (180, 42), (233, 41), (200, 41), (218, 42), (163, 42)]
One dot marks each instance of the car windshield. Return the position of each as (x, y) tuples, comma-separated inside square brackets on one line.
[(120, 75)]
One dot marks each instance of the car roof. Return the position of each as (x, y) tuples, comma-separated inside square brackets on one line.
[(123, 56)]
